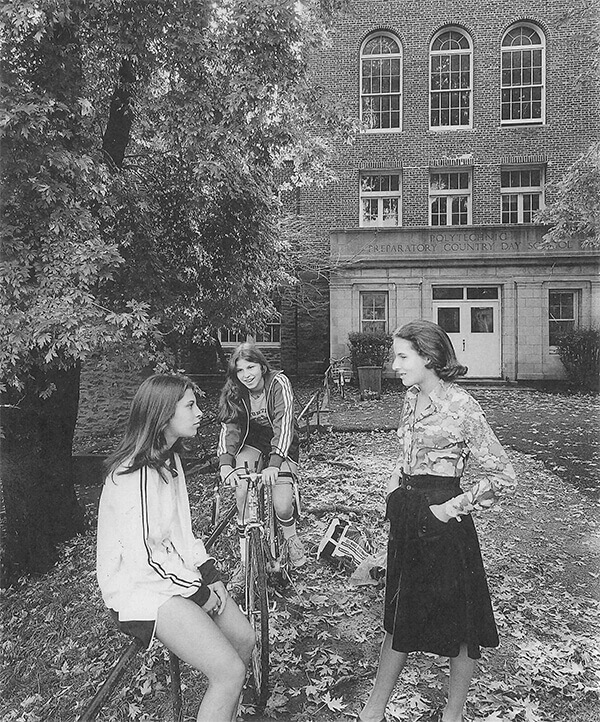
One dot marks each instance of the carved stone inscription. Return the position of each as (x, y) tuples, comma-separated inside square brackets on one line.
[(469, 243)]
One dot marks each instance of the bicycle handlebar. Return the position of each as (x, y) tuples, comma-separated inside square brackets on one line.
[(335, 362), (250, 475)]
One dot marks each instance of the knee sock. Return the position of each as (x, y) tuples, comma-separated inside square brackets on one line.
[(288, 526)]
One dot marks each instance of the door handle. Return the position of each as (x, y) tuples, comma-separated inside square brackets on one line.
[(463, 344)]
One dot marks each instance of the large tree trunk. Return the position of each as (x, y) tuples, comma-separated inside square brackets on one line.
[(120, 119), (40, 504), (40, 507)]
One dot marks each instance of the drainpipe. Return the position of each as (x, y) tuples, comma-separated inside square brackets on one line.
[(516, 321)]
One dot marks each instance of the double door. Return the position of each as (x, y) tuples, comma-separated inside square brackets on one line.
[(473, 324)]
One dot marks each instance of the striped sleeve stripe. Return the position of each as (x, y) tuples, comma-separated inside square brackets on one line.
[(287, 422), (155, 566), (222, 446)]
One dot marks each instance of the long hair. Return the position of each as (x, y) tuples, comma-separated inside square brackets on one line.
[(230, 401), (431, 342), (152, 408)]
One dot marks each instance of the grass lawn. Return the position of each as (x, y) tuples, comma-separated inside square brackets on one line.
[(541, 549)]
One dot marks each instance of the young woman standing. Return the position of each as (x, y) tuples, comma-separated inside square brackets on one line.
[(258, 427), (155, 577), (436, 597)]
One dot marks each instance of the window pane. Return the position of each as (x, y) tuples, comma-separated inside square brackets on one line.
[(450, 73), (561, 314), (438, 212), (272, 334), (482, 320), (476, 292), (448, 201), (373, 311), (369, 210), (228, 336), (557, 328), (373, 327), (374, 306), (449, 319), (390, 211), (459, 211), (522, 71), (380, 199), (561, 305), (521, 205), (447, 293), (380, 83), (510, 209)]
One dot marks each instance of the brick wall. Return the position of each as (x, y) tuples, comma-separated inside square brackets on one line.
[(571, 123), (572, 117)]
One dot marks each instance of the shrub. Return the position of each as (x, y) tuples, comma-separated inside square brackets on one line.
[(579, 351), (369, 349)]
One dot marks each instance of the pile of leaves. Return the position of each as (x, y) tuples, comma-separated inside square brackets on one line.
[(541, 550)]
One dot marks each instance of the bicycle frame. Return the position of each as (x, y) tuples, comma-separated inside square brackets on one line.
[(263, 555), (260, 514), (335, 374)]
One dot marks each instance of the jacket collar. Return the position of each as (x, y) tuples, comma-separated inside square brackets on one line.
[(437, 396), (268, 378)]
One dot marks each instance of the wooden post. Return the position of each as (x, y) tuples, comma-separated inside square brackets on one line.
[(90, 712), (175, 687)]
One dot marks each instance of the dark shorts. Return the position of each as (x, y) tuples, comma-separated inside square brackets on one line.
[(143, 629), (260, 438)]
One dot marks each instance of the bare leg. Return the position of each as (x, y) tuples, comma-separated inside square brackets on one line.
[(391, 663), (187, 630), (237, 629), (461, 673)]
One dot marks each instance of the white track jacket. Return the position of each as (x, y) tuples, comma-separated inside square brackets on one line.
[(146, 552)]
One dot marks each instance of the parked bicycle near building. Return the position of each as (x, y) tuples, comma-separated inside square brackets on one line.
[(334, 378)]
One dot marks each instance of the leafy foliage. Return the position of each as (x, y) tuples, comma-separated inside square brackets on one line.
[(178, 227), (143, 150), (579, 351), (369, 349), (575, 213)]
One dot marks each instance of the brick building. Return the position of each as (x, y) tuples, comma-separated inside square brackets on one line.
[(470, 112)]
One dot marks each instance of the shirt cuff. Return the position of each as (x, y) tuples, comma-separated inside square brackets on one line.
[(210, 573), (275, 460)]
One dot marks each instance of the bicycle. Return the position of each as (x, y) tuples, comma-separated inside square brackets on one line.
[(334, 375), (265, 557)]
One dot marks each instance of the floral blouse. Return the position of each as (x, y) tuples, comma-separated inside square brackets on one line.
[(441, 439)]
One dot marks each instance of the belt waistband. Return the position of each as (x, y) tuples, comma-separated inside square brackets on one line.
[(419, 481)]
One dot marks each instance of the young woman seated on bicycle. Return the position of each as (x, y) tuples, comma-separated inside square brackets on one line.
[(155, 576), (258, 427)]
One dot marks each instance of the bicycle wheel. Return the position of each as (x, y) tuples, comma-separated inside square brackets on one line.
[(257, 610)]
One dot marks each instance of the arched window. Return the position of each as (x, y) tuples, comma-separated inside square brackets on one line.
[(450, 80), (523, 76), (381, 83)]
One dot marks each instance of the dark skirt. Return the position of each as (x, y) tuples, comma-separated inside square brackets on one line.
[(436, 595)]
